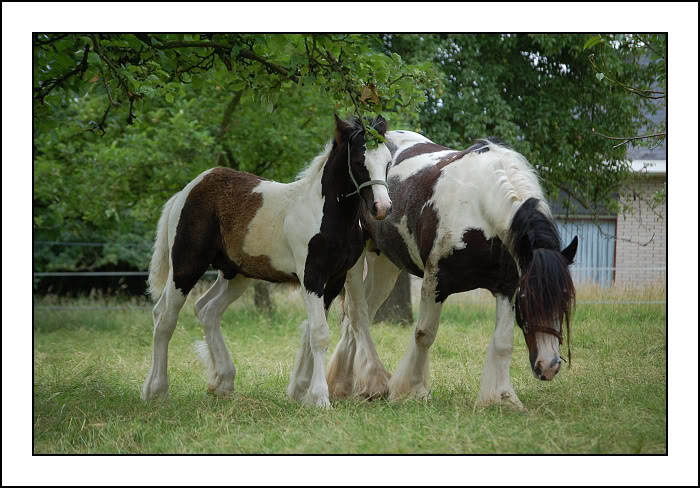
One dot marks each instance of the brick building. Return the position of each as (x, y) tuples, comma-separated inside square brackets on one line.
[(635, 263), (628, 248)]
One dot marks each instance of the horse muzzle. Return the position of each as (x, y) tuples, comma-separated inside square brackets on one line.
[(546, 371), (381, 210)]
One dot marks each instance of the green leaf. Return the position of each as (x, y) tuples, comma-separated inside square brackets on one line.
[(593, 41), (147, 90), (94, 58), (169, 97), (277, 42), (237, 85), (600, 76)]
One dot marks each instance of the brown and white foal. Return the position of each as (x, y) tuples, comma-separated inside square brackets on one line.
[(304, 232)]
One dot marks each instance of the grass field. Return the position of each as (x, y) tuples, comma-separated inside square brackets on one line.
[(89, 366)]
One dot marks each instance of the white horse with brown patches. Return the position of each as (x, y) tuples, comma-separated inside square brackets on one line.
[(305, 232), (461, 220)]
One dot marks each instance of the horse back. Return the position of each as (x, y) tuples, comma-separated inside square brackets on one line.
[(408, 235), (437, 223)]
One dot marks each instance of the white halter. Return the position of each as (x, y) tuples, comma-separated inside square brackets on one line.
[(367, 183)]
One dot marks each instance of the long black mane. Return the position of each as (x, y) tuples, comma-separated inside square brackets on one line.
[(546, 289)]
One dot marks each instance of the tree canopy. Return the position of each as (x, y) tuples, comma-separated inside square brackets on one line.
[(122, 121), (132, 68), (541, 94)]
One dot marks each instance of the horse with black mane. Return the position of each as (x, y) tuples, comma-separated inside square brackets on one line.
[(461, 220), (304, 232)]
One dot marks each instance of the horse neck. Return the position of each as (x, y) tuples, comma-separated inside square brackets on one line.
[(332, 183), (505, 181), (532, 228)]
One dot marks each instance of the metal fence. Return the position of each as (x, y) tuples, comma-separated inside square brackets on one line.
[(600, 285), (590, 289)]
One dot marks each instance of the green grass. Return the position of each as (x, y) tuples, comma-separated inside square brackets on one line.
[(89, 366)]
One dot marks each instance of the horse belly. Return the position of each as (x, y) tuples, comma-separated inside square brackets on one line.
[(477, 263)]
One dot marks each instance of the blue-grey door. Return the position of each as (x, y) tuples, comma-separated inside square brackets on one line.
[(595, 257)]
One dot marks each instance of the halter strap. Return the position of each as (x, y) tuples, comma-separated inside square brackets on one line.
[(354, 181)]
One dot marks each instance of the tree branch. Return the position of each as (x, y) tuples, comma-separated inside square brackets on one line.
[(637, 91), (108, 62), (348, 84), (130, 118), (625, 140), (279, 69), (225, 123), (81, 68), (244, 53), (39, 43)]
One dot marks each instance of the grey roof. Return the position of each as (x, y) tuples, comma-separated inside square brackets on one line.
[(559, 207), (652, 151)]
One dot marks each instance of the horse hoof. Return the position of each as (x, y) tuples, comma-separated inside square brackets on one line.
[(221, 392), (505, 398), (377, 388), (147, 395), (323, 403), (318, 399), (152, 389), (373, 393), (220, 389)]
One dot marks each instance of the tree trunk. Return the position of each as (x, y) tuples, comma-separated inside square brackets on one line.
[(397, 308), (261, 296), (225, 158)]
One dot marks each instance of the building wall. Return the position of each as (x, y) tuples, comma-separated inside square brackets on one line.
[(637, 264), (595, 256)]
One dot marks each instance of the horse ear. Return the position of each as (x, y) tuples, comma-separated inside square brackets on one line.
[(342, 129), (570, 250), (380, 124)]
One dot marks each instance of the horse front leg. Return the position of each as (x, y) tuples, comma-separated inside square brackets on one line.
[(495, 379), (412, 378), (300, 379), (316, 339)]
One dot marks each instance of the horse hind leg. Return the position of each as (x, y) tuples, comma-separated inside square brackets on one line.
[(201, 348), (165, 315), (214, 353), (208, 295), (412, 377)]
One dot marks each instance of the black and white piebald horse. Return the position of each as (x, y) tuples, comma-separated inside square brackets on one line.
[(461, 220), (305, 232)]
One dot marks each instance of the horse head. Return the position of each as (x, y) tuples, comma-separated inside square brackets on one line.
[(545, 293), (366, 168)]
